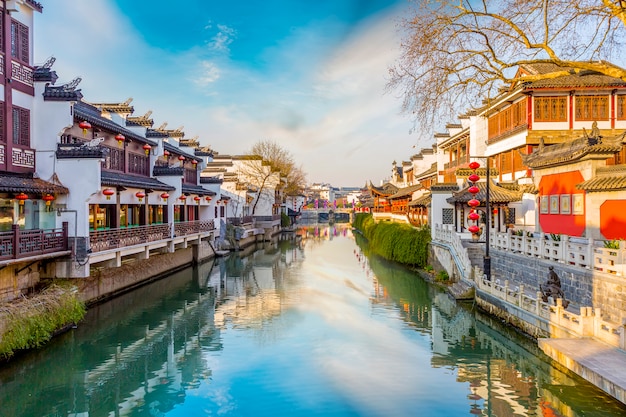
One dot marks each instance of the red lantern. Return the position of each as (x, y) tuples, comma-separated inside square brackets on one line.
[(140, 195), (474, 165), (181, 158), (48, 198), (182, 197), (197, 199), (84, 125), (473, 216), (208, 199), (473, 178), (108, 193), (495, 211), (473, 189), (165, 196), (21, 197), (166, 153), (473, 203), (474, 229), (147, 148), (120, 139)]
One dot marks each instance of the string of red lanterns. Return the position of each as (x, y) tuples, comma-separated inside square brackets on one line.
[(473, 203)]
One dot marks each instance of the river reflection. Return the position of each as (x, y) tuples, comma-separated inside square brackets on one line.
[(308, 325)]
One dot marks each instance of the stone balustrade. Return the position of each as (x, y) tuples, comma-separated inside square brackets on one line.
[(588, 323)]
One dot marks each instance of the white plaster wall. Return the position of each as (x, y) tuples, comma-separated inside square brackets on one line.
[(82, 178), (438, 202)]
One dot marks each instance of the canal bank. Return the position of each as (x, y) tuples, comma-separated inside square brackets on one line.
[(307, 327)]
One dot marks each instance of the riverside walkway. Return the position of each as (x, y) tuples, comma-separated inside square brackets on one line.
[(601, 364)]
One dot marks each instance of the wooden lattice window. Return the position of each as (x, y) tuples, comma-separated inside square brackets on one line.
[(114, 159), (21, 126), (592, 108), (19, 42), (447, 216), (190, 176), (550, 109), (494, 126), (139, 164), (518, 113), (620, 111)]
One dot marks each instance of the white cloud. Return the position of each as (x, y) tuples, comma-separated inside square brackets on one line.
[(209, 73)]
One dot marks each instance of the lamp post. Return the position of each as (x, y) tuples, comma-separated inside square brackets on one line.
[(486, 258)]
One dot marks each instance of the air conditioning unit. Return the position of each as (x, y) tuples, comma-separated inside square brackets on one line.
[(12, 5)]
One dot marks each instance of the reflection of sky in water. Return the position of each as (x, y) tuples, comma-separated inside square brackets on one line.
[(352, 358)]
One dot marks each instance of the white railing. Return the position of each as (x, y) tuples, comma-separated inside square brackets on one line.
[(445, 233), (588, 323), (580, 252)]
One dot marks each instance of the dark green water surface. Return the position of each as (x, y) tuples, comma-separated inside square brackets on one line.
[(307, 327)]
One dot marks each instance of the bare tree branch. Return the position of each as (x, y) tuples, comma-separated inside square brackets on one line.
[(455, 53)]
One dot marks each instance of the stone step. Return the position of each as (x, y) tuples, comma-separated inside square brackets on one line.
[(461, 291)]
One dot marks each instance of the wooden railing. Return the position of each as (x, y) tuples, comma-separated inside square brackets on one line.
[(588, 323), (193, 227), (100, 240), (18, 243)]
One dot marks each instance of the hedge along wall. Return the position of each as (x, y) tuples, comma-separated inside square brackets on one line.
[(395, 241)]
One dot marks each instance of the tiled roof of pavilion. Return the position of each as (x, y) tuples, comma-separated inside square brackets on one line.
[(445, 186), (522, 188), (386, 189), (584, 78), (211, 180), (123, 107), (610, 178), (143, 121), (585, 147), (497, 194), (27, 183), (120, 179), (406, 191), (430, 171), (422, 201)]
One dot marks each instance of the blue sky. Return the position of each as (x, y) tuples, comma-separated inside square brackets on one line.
[(307, 74)]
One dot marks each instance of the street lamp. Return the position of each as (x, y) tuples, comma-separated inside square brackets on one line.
[(486, 258)]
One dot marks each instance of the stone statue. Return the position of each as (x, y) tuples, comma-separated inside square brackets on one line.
[(552, 288)]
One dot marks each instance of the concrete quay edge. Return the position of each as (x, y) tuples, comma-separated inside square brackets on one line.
[(600, 364)]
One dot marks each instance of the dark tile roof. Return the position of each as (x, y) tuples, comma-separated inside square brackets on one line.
[(497, 194), (85, 111), (175, 150), (45, 74), (167, 171), (611, 178), (61, 93), (429, 172), (35, 5), (567, 152), (123, 107), (196, 189), (211, 180), (26, 183), (120, 179), (151, 133)]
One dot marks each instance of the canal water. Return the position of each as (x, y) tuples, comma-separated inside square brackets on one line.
[(310, 325)]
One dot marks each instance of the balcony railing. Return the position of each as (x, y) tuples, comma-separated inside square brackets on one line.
[(193, 227), (18, 243), (100, 240)]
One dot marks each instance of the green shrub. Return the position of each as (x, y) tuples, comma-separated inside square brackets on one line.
[(429, 268), (31, 322), (611, 244), (395, 241), (442, 276)]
